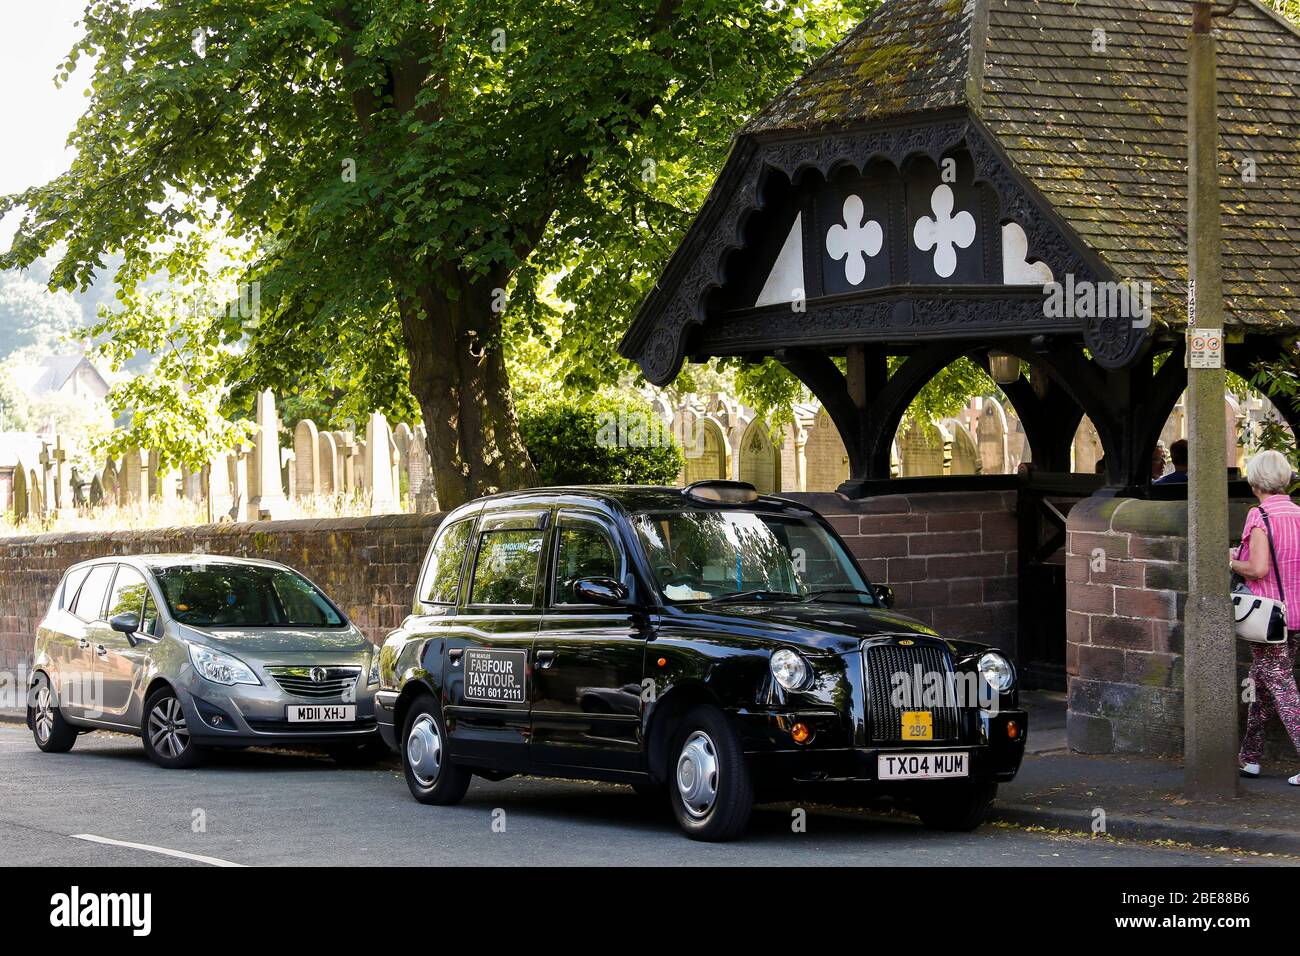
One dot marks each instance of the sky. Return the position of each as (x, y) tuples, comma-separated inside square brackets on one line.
[(37, 115)]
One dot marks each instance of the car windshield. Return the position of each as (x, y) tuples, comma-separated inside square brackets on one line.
[(244, 595), (719, 555)]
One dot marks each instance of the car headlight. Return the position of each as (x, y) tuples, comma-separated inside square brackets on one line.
[(219, 667), (790, 669), (997, 670), (372, 678)]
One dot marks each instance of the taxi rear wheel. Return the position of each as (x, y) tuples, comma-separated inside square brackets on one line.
[(430, 775), (709, 782), (958, 806)]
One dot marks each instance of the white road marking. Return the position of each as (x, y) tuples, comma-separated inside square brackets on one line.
[(180, 854)]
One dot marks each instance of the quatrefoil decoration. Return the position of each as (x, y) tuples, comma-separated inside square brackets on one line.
[(944, 233), (855, 240)]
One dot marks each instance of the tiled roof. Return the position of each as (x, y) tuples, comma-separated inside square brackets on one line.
[(908, 56), (1088, 99)]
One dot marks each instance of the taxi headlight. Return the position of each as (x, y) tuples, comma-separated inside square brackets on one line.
[(372, 677), (220, 668), (997, 670), (790, 669)]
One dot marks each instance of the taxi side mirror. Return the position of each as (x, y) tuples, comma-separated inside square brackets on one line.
[(127, 623), (883, 594), (600, 591)]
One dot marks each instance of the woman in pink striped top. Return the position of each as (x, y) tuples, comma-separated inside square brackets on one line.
[(1272, 670)]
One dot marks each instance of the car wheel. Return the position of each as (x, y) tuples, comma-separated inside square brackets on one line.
[(165, 733), (710, 786), (53, 734), (359, 755), (957, 807), (430, 775)]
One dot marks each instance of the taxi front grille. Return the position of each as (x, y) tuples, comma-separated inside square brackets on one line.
[(922, 667), (326, 684)]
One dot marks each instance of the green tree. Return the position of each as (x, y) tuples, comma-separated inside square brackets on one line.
[(409, 174), (599, 440)]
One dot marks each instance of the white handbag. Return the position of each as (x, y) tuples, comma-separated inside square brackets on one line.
[(1261, 620)]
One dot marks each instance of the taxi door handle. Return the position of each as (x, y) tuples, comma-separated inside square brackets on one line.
[(545, 659), (454, 655)]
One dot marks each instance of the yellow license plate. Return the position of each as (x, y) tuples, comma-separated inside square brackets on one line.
[(918, 725)]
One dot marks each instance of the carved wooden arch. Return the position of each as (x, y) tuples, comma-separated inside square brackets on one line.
[(661, 335)]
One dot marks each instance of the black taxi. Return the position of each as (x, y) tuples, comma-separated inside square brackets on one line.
[(704, 645)]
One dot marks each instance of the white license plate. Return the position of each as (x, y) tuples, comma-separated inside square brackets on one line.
[(321, 713), (923, 766)]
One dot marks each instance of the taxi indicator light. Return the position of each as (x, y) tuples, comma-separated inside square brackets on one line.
[(1013, 729), (663, 662), (801, 733)]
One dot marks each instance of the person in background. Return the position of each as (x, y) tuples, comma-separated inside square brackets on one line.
[(1272, 669), (1158, 460), (1178, 456)]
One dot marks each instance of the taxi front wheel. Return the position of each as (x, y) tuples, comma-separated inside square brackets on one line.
[(430, 775), (709, 782), (957, 806)]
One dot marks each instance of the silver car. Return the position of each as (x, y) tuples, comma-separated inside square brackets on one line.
[(194, 651)]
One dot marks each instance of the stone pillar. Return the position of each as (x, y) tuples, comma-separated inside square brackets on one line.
[(268, 501)]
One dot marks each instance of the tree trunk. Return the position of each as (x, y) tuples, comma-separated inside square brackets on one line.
[(458, 375)]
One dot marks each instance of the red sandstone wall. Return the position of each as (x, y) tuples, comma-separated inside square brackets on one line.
[(367, 565), (949, 556)]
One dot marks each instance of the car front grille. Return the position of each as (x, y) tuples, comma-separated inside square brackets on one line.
[(881, 662), (333, 681)]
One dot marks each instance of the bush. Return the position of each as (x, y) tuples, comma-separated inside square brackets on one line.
[(599, 440)]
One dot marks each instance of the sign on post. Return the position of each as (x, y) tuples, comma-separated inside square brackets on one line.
[(1205, 348)]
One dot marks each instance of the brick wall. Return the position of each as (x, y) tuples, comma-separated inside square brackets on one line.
[(367, 565), (1126, 591), (949, 556)]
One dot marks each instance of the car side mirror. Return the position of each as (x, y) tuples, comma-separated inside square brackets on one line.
[(883, 594), (126, 623), (600, 591)]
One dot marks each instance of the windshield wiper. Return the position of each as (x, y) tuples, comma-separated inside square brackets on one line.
[(822, 591), (757, 593)]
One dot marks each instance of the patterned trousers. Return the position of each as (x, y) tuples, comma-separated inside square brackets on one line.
[(1272, 671)]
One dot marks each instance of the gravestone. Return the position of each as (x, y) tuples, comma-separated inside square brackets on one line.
[(1087, 448), (991, 436), (963, 454), (423, 496), (378, 465), (828, 461), (758, 458), (22, 493), (268, 500), (327, 464), (108, 483), (921, 449), (306, 456), (134, 477)]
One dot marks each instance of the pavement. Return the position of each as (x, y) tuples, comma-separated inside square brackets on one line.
[(1097, 809)]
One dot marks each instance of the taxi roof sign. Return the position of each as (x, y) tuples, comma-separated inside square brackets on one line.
[(721, 491)]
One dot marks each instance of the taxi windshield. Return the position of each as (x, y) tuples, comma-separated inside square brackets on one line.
[(243, 595), (700, 555)]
